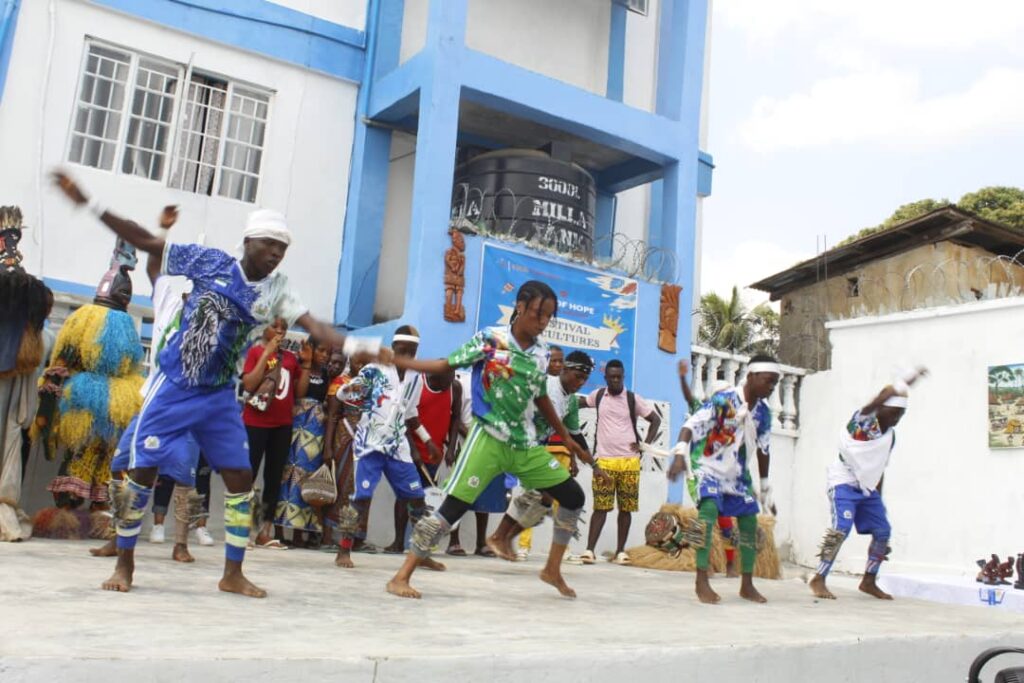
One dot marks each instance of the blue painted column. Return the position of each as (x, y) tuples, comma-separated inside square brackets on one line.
[(8, 24), (434, 169), (368, 182), (604, 224)]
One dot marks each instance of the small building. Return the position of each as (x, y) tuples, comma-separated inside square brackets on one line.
[(943, 257)]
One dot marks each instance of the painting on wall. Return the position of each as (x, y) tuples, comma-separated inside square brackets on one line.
[(1006, 406)]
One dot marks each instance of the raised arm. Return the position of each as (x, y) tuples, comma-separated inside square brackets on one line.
[(899, 387), (168, 217), (435, 366), (130, 231), (684, 371)]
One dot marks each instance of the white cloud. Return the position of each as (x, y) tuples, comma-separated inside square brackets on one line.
[(748, 262), (885, 105), (943, 24)]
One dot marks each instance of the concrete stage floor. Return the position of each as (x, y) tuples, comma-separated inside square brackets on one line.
[(483, 620)]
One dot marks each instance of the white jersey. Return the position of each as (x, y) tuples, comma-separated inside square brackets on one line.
[(386, 403), (167, 305)]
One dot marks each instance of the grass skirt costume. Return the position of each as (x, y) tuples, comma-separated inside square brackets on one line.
[(24, 302), (305, 457), (88, 397)]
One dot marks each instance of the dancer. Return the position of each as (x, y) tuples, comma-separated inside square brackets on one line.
[(725, 525), (388, 397), (509, 385), (729, 429), (230, 298), (562, 392), (855, 484)]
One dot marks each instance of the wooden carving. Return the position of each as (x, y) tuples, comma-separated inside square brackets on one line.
[(668, 320), (455, 278)]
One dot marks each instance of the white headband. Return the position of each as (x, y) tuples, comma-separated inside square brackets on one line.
[(764, 367), (267, 224), (405, 338), (896, 401)]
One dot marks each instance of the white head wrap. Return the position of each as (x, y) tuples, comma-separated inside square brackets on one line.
[(267, 224), (896, 401)]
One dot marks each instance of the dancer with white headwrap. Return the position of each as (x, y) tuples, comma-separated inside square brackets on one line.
[(193, 392), (728, 430), (855, 484)]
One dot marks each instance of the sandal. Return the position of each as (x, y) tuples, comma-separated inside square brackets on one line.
[(622, 558), (588, 557), (485, 552), (272, 544), (368, 548), (455, 551)]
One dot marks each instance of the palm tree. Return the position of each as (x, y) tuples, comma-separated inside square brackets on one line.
[(729, 326)]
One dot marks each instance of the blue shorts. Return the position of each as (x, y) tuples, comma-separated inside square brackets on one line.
[(403, 477), (850, 507), (182, 469), (171, 417), (494, 498), (729, 504)]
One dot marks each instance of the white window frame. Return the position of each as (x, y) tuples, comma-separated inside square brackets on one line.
[(171, 152)]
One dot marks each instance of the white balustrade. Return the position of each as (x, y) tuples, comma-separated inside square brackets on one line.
[(709, 365)]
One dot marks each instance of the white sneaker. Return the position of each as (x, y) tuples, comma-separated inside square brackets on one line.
[(572, 558), (203, 536), (156, 534), (522, 555)]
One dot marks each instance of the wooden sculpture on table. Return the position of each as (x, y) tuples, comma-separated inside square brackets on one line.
[(668, 320), (455, 278)]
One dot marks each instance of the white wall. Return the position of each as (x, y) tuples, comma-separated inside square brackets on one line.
[(641, 65), (305, 166), (394, 255), (414, 28), (951, 499), (566, 40), (351, 13)]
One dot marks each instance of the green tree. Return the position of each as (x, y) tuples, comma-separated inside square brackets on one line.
[(728, 325), (1000, 204), (901, 215)]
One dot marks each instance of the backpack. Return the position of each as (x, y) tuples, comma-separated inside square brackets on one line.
[(630, 401)]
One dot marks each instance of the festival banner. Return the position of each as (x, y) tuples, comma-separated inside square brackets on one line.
[(596, 310)]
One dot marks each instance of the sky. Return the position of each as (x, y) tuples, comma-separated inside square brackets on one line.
[(826, 116)]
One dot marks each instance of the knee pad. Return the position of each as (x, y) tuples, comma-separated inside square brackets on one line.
[(566, 525), (830, 544), (426, 534), (128, 502), (528, 510), (416, 512), (237, 518), (879, 548), (348, 521)]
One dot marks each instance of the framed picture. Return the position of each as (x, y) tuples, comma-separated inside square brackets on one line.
[(1006, 406)]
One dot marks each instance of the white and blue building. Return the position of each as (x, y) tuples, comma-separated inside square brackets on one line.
[(351, 117)]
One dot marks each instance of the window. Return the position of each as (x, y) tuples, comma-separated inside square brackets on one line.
[(132, 114), (852, 287), (638, 6)]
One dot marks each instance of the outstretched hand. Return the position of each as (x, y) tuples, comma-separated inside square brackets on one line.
[(69, 187), (677, 468), (169, 216), (684, 369)]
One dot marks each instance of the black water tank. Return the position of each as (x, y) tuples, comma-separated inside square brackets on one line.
[(526, 194)]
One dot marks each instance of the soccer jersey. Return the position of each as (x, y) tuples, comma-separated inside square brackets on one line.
[(219, 320), (505, 382), (864, 451), (567, 406), (167, 306), (386, 402), (719, 438)]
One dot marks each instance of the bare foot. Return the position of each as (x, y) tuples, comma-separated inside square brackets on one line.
[(344, 559), (108, 549), (704, 592), (121, 580), (819, 589), (555, 579), (236, 582), (869, 586), (748, 592), (402, 589), (502, 547), (181, 553), (730, 570), (432, 564)]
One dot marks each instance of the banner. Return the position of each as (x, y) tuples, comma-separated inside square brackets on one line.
[(596, 310)]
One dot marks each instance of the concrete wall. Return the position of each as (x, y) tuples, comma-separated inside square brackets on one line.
[(951, 499), (414, 28), (350, 13), (566, 40), (304, 172), (931, 275)]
